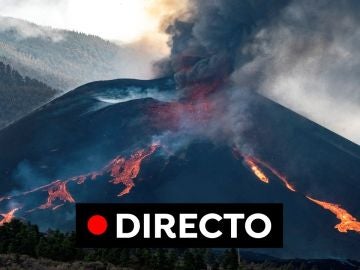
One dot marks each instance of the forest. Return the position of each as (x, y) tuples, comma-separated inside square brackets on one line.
[(20, 95)]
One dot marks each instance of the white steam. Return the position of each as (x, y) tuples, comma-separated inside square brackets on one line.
[(309, 61), (26, 30)]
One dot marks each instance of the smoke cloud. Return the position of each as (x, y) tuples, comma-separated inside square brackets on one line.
[(205, 44), (302, 54), (26, 30), (206, 48), (308, 60)]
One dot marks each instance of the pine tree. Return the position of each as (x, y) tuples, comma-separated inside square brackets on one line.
[(230, 260), (210, 259), (189, 260)]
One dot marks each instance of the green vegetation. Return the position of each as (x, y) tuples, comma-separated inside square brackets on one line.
[(19, 238), (20, 95), (65, 59)]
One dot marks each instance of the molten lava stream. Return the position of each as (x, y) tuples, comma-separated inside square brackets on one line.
[(276, 173), (254, 163), (124, 171), (256, 170), (347, 221), (57, 191), (8, 216)]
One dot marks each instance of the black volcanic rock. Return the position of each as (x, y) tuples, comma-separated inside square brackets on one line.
[(86, 128)]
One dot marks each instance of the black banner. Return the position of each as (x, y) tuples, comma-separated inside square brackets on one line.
[(179, 225)]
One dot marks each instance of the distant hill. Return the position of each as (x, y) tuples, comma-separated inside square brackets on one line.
[(64, 59), (20, 95)]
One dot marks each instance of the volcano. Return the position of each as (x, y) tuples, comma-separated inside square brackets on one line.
[(138, 141)]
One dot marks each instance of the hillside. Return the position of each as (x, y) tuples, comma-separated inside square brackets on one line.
[(174, 151), (65, 59), (20, 95)]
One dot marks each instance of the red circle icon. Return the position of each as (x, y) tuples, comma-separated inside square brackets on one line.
[(97, 224)]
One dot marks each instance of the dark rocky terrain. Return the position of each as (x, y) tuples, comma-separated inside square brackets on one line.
[(76, 139)]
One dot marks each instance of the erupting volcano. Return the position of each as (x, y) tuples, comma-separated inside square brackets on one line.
[(111, 148)]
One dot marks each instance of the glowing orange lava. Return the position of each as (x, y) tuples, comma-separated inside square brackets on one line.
[(348, 222), (124, 171), (253, 163), (276, 173), (8, 216), (256, 170), (58, 191)]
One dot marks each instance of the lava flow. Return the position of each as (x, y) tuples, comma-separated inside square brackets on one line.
[(124, 171), (254, 163), (57, 191), (256, 170), (348, 222), (8, 216), (280, 176)]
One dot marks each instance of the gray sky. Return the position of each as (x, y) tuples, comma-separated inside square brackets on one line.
[(121, 20)]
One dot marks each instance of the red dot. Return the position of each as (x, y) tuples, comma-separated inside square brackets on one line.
[(97, 224)]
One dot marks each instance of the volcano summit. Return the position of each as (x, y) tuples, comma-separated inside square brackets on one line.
[(140, 141)]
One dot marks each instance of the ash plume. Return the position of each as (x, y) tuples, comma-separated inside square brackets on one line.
[(205, 46), (302, 54), (308, 60)]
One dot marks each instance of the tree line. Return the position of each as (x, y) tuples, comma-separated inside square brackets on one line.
[(20, 95), (19, 237)]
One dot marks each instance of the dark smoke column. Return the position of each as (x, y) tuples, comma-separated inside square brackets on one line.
[(206, 48)]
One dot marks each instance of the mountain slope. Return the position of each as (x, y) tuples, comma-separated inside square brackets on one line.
[(20, 95), (65, 59), (120, 141)]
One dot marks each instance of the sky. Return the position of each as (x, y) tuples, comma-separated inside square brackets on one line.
[(121, 20)]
